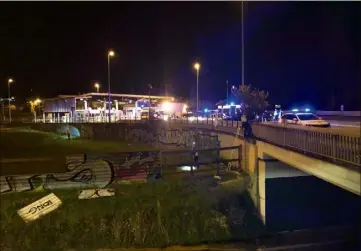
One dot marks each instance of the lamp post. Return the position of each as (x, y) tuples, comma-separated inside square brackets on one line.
[(110, 54), (197, 66), (96, 85), (242, 45), (9, 82)]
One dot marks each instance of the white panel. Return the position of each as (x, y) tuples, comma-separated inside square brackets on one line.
[(95, 193), (39, 208)]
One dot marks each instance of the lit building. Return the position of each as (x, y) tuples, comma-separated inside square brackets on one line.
[(94, 107)]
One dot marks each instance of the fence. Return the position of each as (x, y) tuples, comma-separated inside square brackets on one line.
[(327, 145), (103, 170), (337, 148)]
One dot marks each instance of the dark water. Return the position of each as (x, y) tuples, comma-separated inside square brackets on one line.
[(308, 202)]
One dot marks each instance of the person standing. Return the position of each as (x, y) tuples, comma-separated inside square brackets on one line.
[(245, 125)]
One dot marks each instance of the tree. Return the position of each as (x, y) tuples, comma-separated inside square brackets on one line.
[(253, 100)]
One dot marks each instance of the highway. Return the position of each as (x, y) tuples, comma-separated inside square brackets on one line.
[(345, 123)]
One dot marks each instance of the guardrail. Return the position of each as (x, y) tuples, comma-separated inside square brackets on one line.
[(335, 147), (318, 142)]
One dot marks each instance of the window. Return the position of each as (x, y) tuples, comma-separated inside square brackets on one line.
[(309, 116)]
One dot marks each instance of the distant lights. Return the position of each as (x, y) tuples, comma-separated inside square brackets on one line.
[(166, 106), (111, 53), (232, 103), (295, 110), (307, 109), (197, 66), (206, 110)]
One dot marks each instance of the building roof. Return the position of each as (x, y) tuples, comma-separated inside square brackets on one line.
[(90, 95)]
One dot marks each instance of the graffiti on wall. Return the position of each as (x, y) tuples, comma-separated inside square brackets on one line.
[(141, 135), (186, 138), (89, 171), (144, 134)]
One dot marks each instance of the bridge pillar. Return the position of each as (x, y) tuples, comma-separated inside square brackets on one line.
[(260, 186), (267, 170)]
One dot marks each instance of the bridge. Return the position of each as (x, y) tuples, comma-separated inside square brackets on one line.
[(274, 150)]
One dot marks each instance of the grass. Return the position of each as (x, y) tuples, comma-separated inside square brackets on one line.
[(140, 215), (153, 214), (20, 143), (26, 143)]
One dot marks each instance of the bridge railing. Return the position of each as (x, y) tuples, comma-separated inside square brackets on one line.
[(338, 148), (315, 141)]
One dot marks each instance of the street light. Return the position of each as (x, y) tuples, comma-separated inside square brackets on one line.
[(110, 54), (10, 80), (197, 66), (96, 85)]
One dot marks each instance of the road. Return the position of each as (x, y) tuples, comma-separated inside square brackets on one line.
[(347, 128), (345, 123)]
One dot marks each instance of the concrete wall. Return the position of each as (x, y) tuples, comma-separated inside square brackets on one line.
[(155, 134)]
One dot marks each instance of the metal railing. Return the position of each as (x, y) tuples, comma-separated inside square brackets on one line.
[(333, 146)]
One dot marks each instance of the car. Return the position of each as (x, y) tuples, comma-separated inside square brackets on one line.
[(305, 119)]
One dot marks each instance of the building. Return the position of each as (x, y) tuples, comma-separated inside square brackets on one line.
[(94, 107)]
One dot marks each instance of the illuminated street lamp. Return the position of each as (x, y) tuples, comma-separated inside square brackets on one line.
[(197, 66), (110, 54), (96, 85), (9, 82)]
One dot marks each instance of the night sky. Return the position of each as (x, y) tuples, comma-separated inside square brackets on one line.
[(302, 53)]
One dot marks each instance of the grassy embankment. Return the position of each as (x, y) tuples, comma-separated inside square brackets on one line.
[(140, 215), (20, 143)]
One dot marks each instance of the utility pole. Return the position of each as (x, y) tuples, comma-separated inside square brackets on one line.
[(242, 47)]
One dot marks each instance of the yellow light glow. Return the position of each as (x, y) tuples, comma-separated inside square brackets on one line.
[(38, 100), (96, 85), (166, 106), (185, 109), (197, 66), (111, 53), (10, 80)]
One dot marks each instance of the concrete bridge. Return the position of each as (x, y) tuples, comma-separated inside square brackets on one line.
[(275, 151)]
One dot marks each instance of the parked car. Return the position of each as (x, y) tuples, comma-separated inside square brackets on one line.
[(305, 119)]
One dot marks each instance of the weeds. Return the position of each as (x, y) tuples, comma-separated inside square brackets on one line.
[(149, 215)]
